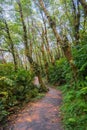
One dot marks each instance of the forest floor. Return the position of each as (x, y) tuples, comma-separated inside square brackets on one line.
[(43, 114)]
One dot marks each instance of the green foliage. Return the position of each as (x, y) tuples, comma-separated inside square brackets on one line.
[(6, 69), (74, 106), (39, 96), (15, 88), (56, 72), (80, 54)]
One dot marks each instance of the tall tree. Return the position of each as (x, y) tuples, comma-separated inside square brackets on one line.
[(45, 35), (76, 21), (11, 44), (64, 43), (35, 66)]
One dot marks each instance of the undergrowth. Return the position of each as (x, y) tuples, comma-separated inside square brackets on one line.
[(16, 88), (74, 106)]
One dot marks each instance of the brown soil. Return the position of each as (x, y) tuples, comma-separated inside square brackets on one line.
[(41, 115)]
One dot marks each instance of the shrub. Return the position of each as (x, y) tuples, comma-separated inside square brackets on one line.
[(74, 106), (15, 88), (80, 55), (56, 72)]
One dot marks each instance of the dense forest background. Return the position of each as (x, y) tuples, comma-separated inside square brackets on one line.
[(47, 39)]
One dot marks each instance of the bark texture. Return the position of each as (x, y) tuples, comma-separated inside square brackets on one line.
[(11, 44), (76, 21), (84, 5), (34, 65), (63, 43)]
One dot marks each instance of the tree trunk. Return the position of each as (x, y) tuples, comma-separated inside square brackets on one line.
[(35, 66), (64, 45), (76, 23), (68, 55), (84, 5), (2, 59), (44, 55), (11, 44), (46, 39)]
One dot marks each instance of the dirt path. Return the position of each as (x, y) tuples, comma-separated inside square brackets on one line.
[(41, 115)]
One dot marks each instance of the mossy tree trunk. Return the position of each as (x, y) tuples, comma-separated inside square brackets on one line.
[(64, 44), (45, 35), (84, 5), (11, 45), (76, 21), (34, 65)]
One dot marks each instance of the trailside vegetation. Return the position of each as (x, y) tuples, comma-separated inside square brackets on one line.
[(46, 39)]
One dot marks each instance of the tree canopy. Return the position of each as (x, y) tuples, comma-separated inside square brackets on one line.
[(47, 39)]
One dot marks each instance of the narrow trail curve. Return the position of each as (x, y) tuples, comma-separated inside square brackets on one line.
[(41, 115)]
